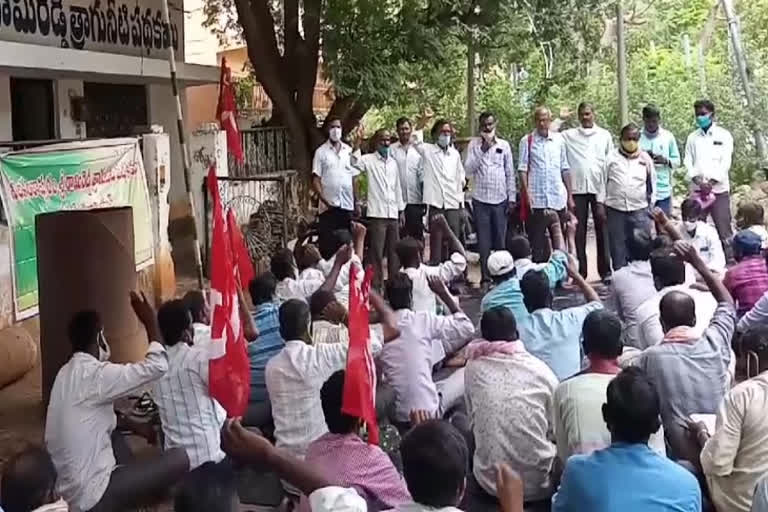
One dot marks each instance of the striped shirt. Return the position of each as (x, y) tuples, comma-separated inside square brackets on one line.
[(493, 171), (545, 167), (191, 418), (267, 345), (747, 281)]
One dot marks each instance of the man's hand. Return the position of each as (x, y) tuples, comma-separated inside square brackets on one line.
[(335, 312), (401, 219), (687, 252), (358, 210), (440, 222), (420, 416), (698, 432), (244, 445), (343, 255), (571, 204), (437, 286), (660, 217), (357, 229), (144, 310), (660, 160), (600, 212), (509, 489), (511, 207), (572, 267), (705, 187)]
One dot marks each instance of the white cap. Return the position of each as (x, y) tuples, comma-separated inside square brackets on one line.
[(336, 499), (500, 263)]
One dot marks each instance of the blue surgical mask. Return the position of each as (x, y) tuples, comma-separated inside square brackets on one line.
[(444, 140), (383, 151), (704, 121)]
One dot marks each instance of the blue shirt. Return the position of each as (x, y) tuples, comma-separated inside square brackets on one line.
[(548, 162), (664, 144), (508, 294), (268, 344), (626, 478), (555, 337)]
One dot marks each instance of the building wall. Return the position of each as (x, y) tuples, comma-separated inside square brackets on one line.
[(201, 102), (199, 43), (6, 126), (162, 111), (64, 90)]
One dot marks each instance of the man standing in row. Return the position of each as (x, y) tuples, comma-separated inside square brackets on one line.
[(444, 181), (708, 154), (661, 146), (588, 148), (545, 176), (489, 162), (411, 178)]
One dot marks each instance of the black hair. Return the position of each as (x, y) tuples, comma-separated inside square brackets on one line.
[(262, 288), (639, 245), (632, 407), (409, 252), (401, 121), (210, 487), (294, 319), (704, 103), (195, 302), (628, 127), (83, 329), (690, 209), (752, 214), (537, 293), (498, 324), (519, 247), (319, 300), (304, 257), (400, 291), (329, 120), (331, 396), (485, 115), (282, 264), (755, 339), (677, 308), (667, 268), (436, 127), (174, 319), (651, 111), (435, 458), (602, 334), (584, 105), (28, 481)]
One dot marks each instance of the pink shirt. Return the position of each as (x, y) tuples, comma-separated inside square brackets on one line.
[(747, 281)]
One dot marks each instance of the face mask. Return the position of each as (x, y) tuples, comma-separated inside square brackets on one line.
[(690, 225), (104, 351), (704, 121), (444, 140), (587, 131), (334, 134), (630, 146), (383, 151), (488, 136)]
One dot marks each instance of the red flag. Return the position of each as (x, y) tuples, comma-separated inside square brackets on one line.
[(241, 255), (360, 381), (229, 376), (226, 112)]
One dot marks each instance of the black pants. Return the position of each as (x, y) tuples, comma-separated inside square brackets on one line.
[(540, 223), (491, 229), (721, 216), (585, 203), (328, 222), (414, 221), (438, 247)]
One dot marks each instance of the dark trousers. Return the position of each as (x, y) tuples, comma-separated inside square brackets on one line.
[(491, 229), (721, 216), (438, 246), (137, 483), (383, 234), (620, 227), (328, 222), (665, 205), (585, 203), (540, 222), (414, 221)]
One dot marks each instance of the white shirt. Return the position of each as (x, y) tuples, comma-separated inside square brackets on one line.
[(411, 171), (341, 289), (294, 378), (632, 286), (708, 243), (385, 195), (649, 331), (336, 173), (578, 421), (627, 181), (708, 154), (407, 361), (301, 288), (190, 416), (509, 402), (81, 418), (443, 176), (492, 171), (424, 298), (587, 150)]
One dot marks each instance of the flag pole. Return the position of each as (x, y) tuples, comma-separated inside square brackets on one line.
[(183, 143)]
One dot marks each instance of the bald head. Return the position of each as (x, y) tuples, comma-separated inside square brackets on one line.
[(677, 309), (543, 118)]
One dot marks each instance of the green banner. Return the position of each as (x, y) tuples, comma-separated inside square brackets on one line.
[(71, 176)]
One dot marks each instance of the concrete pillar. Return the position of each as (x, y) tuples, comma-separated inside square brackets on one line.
[(6, 124), (207, 147)]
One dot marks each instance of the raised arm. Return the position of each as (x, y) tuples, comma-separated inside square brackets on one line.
[(454, 244), (386, 317), (343, 255), (590, 295), (688, 253), (250, 331), (663, 222), (358, 239)]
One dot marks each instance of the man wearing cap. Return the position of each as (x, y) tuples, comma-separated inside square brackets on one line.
[(747, 281)]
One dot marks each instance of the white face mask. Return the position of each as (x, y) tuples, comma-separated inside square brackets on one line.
[(587, 131), (334, 134), (488, 136), (104, 351), (690, 225)]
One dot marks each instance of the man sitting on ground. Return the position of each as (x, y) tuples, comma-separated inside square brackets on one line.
[(627, 475), (747, 281), (690, 370), (80, 426), (290, 286), (407, 361), (578, 426), (348, 461), (339, 239), (29, 483), (507, 270), (553, 336), (669, 275), (703, 236), (409, 252), (509, 402), (330, 320)]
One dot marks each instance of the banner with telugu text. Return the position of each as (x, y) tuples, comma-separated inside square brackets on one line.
[(71, 176)]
